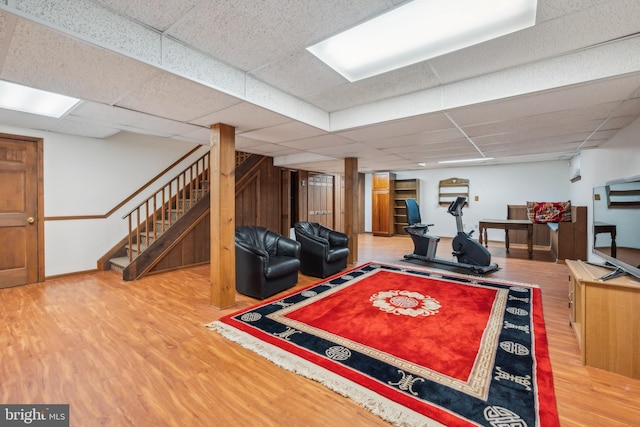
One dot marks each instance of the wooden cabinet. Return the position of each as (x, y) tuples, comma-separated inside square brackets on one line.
[(403, 189), (382, 187), (605, 317)]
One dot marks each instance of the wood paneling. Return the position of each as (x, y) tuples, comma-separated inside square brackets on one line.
[(137, 353), (320, 196), (382, 204), (248, 198), (259, 194)]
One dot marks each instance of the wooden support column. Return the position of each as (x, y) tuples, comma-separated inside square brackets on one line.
[(351, 206), (223, 198)]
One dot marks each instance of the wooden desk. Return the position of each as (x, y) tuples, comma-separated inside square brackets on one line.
[(506, 225), (602, 227)]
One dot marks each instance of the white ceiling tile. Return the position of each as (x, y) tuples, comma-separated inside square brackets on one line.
[(20, 119), (183, 60), (400, 82), (351, 149), (318, 77), (552, 9), (314, 142), (158, 15), (244, 117), (289, 131), (236, 30), (601, 92), (89, 21), (272, 150), (71, 126), (45, 59), (581, 26), (131, 120), (246, 65), (176, 98), (6, 23), (410, 126)]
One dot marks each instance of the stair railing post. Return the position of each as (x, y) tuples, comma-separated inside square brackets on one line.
[(137, 230), (146, 228), (164, 208), (155, 209), (130, 236)]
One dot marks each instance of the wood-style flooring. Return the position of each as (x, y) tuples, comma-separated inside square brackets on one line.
[(138, 354)]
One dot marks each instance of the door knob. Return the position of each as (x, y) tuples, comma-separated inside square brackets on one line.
[(31, 220)]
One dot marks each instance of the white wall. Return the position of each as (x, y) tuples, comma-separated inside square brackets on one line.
[(618, 158), (88, 176), (495, 186)]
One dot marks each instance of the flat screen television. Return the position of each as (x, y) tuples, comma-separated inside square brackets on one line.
[(616, 226)]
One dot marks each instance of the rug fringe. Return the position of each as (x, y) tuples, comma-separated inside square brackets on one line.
[(386, 409)]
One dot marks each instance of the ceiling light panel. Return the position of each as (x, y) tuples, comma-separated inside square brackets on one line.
[(35, 101), (420, 30)]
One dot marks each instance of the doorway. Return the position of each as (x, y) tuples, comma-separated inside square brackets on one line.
[(21, 211)]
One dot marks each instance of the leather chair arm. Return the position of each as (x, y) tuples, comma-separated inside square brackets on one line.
[(259, 252), (316, 245), (255, 261), (288, 247), (338, 239)]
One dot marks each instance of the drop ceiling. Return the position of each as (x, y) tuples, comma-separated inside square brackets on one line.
[(172, 69)]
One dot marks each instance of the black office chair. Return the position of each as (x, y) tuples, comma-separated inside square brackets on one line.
[(413, 218)]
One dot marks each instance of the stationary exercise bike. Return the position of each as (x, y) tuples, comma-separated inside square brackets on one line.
[(470, 253)]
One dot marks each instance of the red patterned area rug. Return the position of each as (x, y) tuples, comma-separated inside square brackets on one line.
[(416, 347)]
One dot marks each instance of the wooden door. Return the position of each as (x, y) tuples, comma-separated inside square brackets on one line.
[(20, 212), (321, 199), (381, 199)]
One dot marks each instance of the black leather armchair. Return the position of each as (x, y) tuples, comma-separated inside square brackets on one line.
[(266, 262), (324, 251)]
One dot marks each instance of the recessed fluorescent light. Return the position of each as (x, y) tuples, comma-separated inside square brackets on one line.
[(35, 101), (481, 159), (422, 164), (420, 30)]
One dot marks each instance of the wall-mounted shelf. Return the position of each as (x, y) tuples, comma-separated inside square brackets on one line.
[(450, 189), (623, 198)]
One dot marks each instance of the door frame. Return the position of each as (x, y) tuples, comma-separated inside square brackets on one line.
[(39, 143)]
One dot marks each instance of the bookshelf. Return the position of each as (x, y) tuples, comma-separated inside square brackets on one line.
[(403, 189)]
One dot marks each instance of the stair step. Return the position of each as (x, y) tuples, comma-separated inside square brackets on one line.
[(188, 203), (147, 237), (119, 263), (136, 248)]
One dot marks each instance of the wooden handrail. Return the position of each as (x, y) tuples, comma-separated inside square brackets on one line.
[(175, 198)]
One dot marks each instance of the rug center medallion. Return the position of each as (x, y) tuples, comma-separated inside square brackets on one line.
[(405, 303)]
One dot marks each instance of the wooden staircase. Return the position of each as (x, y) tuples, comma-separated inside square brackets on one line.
[(177, 212), (142, 241)]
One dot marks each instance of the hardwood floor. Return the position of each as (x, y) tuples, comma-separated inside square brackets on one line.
[(138, 354)]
